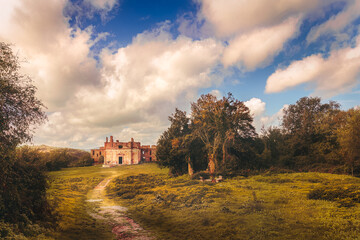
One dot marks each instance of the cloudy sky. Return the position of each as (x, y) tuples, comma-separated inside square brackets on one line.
[(120, 67)]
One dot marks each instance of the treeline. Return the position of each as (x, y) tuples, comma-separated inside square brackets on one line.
[(53, 159), (218, 137)]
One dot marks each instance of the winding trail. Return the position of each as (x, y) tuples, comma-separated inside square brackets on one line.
[(106, 209)]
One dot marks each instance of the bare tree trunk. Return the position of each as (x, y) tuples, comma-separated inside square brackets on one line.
[(212, 166), (190, 169), (224, 155)]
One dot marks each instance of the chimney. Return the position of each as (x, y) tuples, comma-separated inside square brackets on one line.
[(107, 139), (111, 141), (132, 140)]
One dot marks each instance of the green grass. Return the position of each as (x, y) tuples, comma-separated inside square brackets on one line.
[(258, 207), (68, 193), (280, 206)]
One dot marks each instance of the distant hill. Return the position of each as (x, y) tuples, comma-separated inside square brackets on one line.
[(45, 149)]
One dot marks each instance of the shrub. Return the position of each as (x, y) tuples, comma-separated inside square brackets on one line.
[(346, 196)]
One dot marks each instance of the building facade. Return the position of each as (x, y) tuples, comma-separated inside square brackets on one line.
[(123, 153)]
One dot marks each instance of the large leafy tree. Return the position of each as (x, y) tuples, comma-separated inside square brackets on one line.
[(303, 123), (171, 151), (22, 185), (219, 123), (19, 108), (349, 138)]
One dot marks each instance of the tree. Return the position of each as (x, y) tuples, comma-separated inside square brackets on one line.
[(218, 123), (19, 108), (22, 184), (349, 138), (301, 123), (274, 141), (171, 151)]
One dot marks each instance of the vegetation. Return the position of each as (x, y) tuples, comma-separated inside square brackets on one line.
[(266, 198), (68, 192), (53, 159), (313, 136), (24, 210), (218, 136), (318, 137), (67, 196), (266, 206)]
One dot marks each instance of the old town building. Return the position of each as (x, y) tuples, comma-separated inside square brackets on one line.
[(118, 153)]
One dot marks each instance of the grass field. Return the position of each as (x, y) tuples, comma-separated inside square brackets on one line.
[(68, 194), (259, 207)]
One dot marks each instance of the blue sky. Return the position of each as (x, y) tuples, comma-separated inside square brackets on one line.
[(120, 67)]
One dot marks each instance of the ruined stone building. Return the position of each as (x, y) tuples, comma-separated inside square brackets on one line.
[(118, 153)]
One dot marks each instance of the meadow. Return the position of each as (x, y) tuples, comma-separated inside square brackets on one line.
[(266, 206)]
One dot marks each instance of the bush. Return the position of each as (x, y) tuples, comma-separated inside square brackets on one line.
[(346, 196)]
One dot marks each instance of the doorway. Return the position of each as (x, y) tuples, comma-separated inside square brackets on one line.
[(120, 160)]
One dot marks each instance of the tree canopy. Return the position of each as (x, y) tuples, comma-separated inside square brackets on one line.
[(19, 107), (216, 128), (22, 183)]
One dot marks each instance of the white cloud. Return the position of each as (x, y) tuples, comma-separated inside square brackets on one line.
[(229, 17), (57, 56), (216, 93), (333, 75), (257, 109), (256, 106), (102, 4), (337, 22), (134, 89), (129, 93), (258, 47)]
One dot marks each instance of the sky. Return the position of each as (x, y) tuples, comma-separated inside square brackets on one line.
[(121, 67)]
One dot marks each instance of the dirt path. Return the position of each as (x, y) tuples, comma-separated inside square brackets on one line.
[(105, 209)]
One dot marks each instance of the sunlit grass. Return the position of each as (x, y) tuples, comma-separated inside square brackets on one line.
[(68, 193), (258, 207)]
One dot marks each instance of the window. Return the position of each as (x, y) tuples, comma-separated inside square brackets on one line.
[(150, 159), (120, 146), (143, 152), (150, 153), (100, 153), (93, 152)]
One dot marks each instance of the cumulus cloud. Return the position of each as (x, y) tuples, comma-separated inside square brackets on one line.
[(231, 17), (257, 109), (128, 92), (57, 56), (333, 75), (258, 47), (256, 30), (337, 22), (134, 89)]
